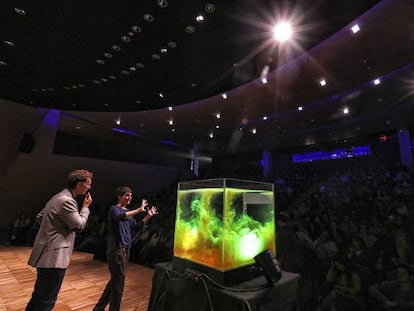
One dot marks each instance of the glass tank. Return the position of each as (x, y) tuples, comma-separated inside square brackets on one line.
[(223, 223)]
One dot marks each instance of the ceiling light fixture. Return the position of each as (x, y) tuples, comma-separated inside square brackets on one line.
[(148, 17), (190, 29), (171, 122), (264, 80), (355, 28), (200, 18), (162, 3), (282, 32), (300, 108), (20, 11), (322, 82), (218, 116), (136, 28), (126, 38), (377, 81), (224, 96), (170, 108), (172, 44), (8, 43), (210, 8)]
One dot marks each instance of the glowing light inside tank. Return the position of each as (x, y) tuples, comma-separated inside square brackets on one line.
[(214, 227), (249, 245)]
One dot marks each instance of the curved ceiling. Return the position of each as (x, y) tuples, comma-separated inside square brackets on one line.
[(159, 74)]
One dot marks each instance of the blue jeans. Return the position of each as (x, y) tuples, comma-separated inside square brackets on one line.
[(46, 289)]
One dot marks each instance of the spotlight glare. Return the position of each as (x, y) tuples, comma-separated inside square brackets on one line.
[(282, 31)]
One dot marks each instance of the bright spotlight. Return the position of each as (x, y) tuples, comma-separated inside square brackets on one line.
[(282, 32)]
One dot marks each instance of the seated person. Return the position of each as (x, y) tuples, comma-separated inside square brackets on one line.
[(345, 287), (394, 295)]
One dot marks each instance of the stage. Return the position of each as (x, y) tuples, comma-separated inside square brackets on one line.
[(83, 284)]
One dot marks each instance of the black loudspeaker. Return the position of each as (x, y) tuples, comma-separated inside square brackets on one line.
[(26, 145), (270, 266)]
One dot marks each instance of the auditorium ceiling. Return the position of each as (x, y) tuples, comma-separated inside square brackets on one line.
[(209, 75)]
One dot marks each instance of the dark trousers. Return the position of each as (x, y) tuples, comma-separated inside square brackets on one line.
[(46, 289), (112, 293)]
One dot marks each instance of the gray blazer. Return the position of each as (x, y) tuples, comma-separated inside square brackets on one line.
[(59, 220)]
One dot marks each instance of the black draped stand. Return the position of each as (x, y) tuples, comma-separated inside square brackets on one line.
[(179, 289)]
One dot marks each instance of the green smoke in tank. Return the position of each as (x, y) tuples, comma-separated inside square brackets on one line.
[(212, 227)]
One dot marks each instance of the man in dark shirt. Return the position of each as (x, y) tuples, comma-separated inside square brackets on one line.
[(121, 221)]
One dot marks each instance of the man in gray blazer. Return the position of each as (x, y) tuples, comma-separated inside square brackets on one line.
[(59, 221)]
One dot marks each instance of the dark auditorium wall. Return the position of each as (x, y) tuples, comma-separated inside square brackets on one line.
[(29, 178)]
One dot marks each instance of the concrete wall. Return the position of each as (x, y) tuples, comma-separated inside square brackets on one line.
[(27, 180)]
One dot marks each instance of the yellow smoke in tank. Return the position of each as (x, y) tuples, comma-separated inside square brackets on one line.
[(217, 236)]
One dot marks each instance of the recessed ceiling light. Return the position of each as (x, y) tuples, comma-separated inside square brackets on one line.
[(264, 80), (148, 17), (138, 101), (211, 135), (171, 122), (190, 29), (161, 95), (8, 43), (100, 61), (118, 122), (217, 126), (254, 131), (355, 28), (125, 72), (82, 86), (300, 108), (20, 11), (210, 8), (322, 82), (136, 28), (218, 116), (172, 44), (112, 77), (126, 38), (162, 3), (108, 55), (96, 82), (377, 81), (346, 110), (116, 47), (170, 108), (35, 90), (104, 80), (132, 68), (224, 96), (200, 18), (265, 118), (164, 50), (140, 65), (67, 88), (3, 63), (155, 56)]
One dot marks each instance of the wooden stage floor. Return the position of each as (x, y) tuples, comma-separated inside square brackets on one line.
[(83, 284)]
